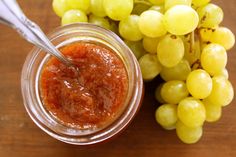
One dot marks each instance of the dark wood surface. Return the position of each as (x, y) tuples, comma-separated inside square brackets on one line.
[(20, 137)]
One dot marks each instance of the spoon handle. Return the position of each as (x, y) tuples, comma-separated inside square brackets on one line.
[(12, 15)]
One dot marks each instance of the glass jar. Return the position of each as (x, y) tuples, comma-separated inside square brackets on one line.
[(30, 84)]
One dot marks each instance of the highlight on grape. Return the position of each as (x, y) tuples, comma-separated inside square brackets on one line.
[(182, 41)]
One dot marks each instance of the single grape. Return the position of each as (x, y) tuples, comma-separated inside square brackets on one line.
[(60, 7), (213, 112), (171, 3), (118, 9), (150, 44), (178, 72), (159, 8), (139, 8), (166, 115), (129, 30), (187, 134), (213, 58), (206, 34), (224, 37), (222, 92), (73, 16), (151, 24), (181, 20), (191, 112), (174, 91), (199, 3), (136, 47), (223, 73), (96, 7), (170, 50), (82, 5), (158, 94), (150, 66), (210, 15), (157, 2), (199, 84), (100, 21)]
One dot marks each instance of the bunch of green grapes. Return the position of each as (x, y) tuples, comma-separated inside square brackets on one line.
[(179, 40)]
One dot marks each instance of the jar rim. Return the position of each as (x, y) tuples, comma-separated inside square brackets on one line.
[(29, 93)]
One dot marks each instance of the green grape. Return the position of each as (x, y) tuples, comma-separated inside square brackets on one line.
[(96, 7), (157, 2), (139, 8), (174, 91), (118, 9), (199, 3), (224, 37), (136, 47), (59, 7), (82, 5), (158, 94), (213, 112), (151, 24), (199, 84), (166, 115), (150, 66), (150, 44), (159, 8), (187, 134), (210, 16), (171, 3), (178, 72), (170, 50), (213, 58), (222, 92), (100, 21), (181, 20), (73, 16), (206, 34), (191, 112), (128, 28), (223, 73)]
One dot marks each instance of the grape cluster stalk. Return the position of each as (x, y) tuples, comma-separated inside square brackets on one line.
[(182, 41)]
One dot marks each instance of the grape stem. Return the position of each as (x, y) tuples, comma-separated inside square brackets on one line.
[(142, 2), (192, 40)]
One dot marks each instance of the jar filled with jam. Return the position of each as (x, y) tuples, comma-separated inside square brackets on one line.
[(92, 102)]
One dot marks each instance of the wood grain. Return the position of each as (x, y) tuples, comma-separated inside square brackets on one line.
[(20, 137)]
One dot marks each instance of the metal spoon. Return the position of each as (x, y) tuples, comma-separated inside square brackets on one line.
[(12, 15)]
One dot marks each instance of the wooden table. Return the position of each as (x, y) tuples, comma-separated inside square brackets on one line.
[(20, 137)]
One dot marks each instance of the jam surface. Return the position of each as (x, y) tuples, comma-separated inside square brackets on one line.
[(91, 97)]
